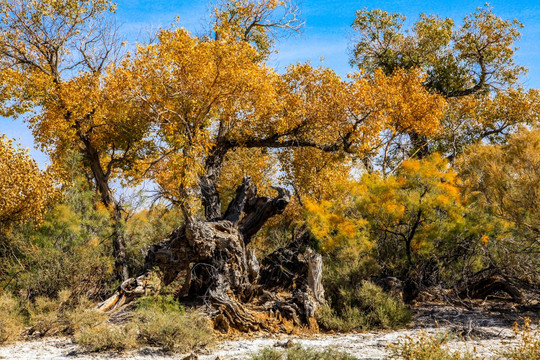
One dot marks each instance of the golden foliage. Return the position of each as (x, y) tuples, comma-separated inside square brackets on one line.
[(504, 182), (25, 190), (487, 116), (414, 207), (336, 224), (506, 178)]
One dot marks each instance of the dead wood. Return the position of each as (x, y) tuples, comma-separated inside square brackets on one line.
[(482, 288), (216, 267)]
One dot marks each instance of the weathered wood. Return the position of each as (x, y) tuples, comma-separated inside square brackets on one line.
[(315, 275), (130, 290), (218, 269)]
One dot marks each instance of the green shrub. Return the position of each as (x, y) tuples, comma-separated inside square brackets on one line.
[(161, 303), (344, 271), (68, 250), (11, 321), (299, 353), (363, 307), (347, 320)]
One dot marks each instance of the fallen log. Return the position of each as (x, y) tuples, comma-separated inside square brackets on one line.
[(482, 288)]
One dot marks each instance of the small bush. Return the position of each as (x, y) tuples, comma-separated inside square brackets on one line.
[(528, 347), (428, 348), (107, 337), (363, 307), (299, 353), (347, 320), (173, 330), (11, 322), (44, 316), (83, 317), (158, 321)]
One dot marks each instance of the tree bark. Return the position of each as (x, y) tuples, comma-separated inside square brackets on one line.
[(101, 180), (208, 182)]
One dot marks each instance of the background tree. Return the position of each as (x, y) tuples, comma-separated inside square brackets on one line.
[(258, 22), (418, 225), (475, 57), (229, 100), (472, 66), (53, 61), (505, 182)]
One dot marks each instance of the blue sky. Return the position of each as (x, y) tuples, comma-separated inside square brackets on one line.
[(326, 34)]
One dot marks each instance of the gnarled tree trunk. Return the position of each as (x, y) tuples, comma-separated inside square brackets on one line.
[(218, 268)]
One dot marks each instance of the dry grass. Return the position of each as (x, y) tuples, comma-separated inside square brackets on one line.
[(435, 347), (45, 316), (108, 337), (426, 347), (299, 353), (84, 317), (528, 347), (158, 322), (174, 331), (11, 322), (61, 315)]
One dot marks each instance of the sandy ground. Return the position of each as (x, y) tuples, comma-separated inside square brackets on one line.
[(487, 332), (370, 345)]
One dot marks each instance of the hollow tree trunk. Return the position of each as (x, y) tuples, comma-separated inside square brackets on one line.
[(217, 268)]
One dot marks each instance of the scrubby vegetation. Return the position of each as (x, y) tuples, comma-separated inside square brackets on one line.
[(425, 347), (158, 321), (364, 306)]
